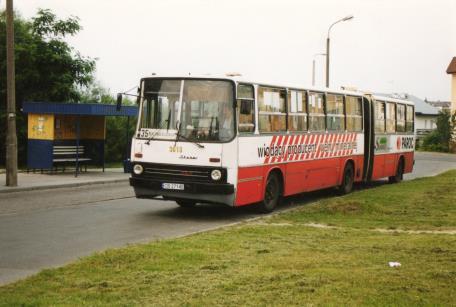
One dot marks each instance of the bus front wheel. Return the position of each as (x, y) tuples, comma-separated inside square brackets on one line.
[(271, 194), (347, 180)]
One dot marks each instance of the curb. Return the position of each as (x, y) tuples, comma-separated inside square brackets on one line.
[(57, 186)]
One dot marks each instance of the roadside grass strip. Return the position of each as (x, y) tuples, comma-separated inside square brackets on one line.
[(427, 204), (326, 253)]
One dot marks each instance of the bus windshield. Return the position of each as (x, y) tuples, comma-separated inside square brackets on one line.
[(199, 110)]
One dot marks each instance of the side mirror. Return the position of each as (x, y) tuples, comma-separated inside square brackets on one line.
[(119, 101), (138, 91), (246, 107)]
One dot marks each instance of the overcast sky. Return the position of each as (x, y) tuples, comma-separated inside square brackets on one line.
[(390, 45)]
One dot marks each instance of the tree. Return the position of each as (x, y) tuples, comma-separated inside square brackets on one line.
[(439, 139), (47, 68), (117, 144)]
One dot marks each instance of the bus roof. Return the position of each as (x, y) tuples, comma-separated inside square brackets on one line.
[(389, 99), (239, 79)]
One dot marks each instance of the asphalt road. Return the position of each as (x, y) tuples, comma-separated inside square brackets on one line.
[(48, 228)]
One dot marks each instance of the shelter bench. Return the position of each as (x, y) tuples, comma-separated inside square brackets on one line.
[(63, 154)]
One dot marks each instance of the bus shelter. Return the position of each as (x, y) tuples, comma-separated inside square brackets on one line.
[(61, 134)]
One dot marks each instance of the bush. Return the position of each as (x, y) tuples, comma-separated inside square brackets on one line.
[(439, 139)]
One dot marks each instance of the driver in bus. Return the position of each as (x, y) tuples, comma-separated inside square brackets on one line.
[(226, 128)]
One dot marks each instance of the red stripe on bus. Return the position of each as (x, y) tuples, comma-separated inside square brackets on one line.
[(283, 156), (278, 143), (306, 140), (317, 148), (353, 138), (292, 143), (312, 138), (328, 148), (348, 151), (344, 139), (339, 141), (266, 159), (297, 143), (289, 152), (301, 140), (321, 152), (331, 146)]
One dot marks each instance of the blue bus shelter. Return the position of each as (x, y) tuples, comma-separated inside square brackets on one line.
[(69, 133)]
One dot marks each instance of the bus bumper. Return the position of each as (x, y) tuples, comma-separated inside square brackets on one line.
[(206, 192)]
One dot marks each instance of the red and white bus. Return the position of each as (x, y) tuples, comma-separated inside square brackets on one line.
[(234, 142)]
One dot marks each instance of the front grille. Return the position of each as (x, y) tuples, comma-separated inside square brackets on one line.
[(166, 172)]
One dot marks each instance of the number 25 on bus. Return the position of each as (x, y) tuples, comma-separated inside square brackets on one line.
[(233, 142)]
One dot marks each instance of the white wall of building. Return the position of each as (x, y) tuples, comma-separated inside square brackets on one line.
[(425, 122)]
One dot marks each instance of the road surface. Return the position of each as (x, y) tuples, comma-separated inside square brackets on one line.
[(48, 228)]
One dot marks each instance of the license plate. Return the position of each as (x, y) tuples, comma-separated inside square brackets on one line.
[(173, 186)]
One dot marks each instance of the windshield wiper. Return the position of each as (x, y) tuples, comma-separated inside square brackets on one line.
[(178, 135)]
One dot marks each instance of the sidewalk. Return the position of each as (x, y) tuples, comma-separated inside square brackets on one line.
[(38, 181)]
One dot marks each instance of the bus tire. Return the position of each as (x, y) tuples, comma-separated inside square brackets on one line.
[(348, 179), (272, 195), (399, 173), (186, 203)]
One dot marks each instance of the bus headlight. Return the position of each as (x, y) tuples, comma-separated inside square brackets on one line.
[(138, 169), (216, 175)]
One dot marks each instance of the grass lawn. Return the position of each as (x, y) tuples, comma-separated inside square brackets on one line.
[(281, 260)]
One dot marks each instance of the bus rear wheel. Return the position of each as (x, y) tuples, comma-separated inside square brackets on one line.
[(399, 173), (186, 203), (347, 180), (271, 194)]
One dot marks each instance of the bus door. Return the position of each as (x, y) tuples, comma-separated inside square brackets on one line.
[(368, 138)]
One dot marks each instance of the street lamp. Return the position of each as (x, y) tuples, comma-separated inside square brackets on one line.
[(313, 66), (327, 46)]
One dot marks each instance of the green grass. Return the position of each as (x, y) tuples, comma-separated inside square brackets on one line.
[(279, 260), (422, 204)]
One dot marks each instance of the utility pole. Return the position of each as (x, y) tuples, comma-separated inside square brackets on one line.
[(11, 137)]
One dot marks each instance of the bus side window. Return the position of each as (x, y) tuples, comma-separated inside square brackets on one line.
[(316, 112), (297, 111), (390, 117), (335, 112), (272, 109), (246, 108), (379, 116), (354, 113), (400, 119), (410, 115)]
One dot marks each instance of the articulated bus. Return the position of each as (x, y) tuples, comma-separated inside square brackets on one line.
[(233, 142)]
